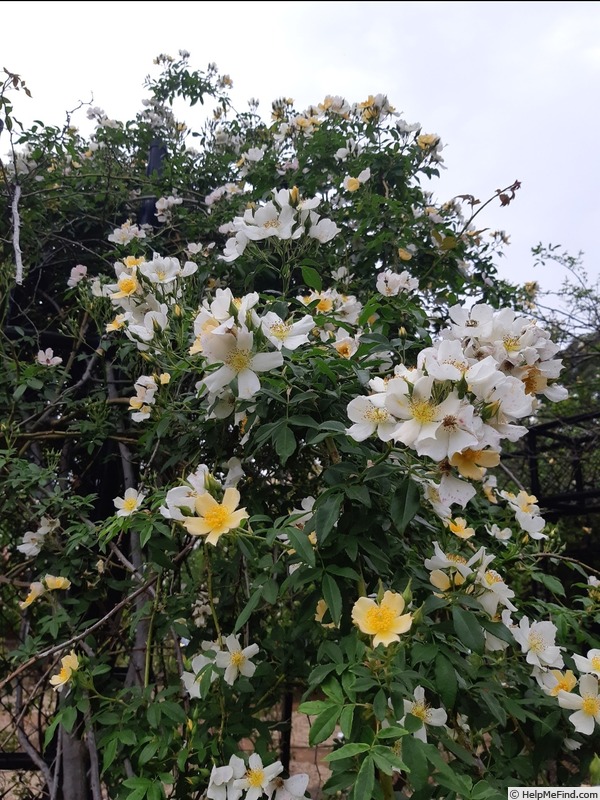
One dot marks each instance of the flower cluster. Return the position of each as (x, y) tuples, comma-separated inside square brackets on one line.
[(286, 217)]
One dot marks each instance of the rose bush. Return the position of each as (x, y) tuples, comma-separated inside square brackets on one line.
[(254, 403)]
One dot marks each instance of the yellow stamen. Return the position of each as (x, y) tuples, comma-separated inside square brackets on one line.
[(380, 619), (255, 778), (239, 360)]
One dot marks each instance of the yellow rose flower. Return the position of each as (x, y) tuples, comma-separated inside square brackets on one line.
[(214, 519), (68, 665), (384, 621)]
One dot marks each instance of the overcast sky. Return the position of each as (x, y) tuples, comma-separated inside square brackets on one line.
[(511, 87)]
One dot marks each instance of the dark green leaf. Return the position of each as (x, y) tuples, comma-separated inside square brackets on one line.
[(348, 751), (326, 515), (405, 504), (312, 278), (333, 597), (324, 725), (468, 629), (285, 442), (445, 681), (302, 545), (346, 720), (248, 609)]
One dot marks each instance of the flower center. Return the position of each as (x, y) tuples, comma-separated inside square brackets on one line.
[(380, 619), (237, 658), (352, 184), (590, 705), (344, 350), (377, 415), (536, 643), (456, 559), (161, 274), (130, 504), (239, 360), (270, 223), (128, 284), (492, 577), (216, 516), (563, 684), (511, 344), (534, 381), (450, 423), (422, 410), (595, 662), (255, 778), (64, 674), (462, 366), (526, 503), (420, 710), (324, 305), (280, 330)]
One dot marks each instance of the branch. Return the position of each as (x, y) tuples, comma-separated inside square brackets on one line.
[(74, 639), (567, 558), (16, 235)]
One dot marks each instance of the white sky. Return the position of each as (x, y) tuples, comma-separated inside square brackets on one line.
[(511, 87)]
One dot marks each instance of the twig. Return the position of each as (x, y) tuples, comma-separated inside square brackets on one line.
[(74, 639), (514, 478), (566, 558)]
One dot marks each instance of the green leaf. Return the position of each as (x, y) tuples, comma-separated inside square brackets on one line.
[(393, 732), (386, 760), (348, 751), (333, 597), (413, 754), (302, 545), (248, 609), (468, 629), (153, 715), (333, 690), (326, 515), (49, 733), (380, 705), (311, 278), (412, 723), (313, 707), (270, 590), (319, 673), (365, 780), (164, 423), (359, 493), (346, 720), (110, 752), (155, 792), (173, 711), (324, 725), (405, 504), (148, 752), (550, 582), (445, 681), (68, 717), (285, 442)]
